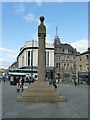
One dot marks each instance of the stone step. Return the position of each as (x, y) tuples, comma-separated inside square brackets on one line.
[(42, 99), (40, 92)]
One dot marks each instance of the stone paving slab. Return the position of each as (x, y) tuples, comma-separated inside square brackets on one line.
[(75, 107)]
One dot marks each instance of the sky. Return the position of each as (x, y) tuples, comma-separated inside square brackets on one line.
[(20, 22)]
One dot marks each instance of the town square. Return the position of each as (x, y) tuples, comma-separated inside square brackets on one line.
[(45, 60)]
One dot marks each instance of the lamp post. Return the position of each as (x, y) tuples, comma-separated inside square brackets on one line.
[(71, 73), (62, 73), (32, 60)]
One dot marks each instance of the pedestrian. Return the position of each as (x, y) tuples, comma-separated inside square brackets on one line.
[(46, 78), (57, 81), (55, 85), (75, 83), (3, 74), (18, 86), (22, 83), (29, 79), (4, 79), (36, 77)]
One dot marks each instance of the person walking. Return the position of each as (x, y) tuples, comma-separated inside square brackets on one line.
[(75, 83), (18, 86), (3, 74), (4, 79), (74, 79), (54, 84), (22, 83)]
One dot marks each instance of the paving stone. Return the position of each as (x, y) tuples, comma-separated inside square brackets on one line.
[(75, 107)]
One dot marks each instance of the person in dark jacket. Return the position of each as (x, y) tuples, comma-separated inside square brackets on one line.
[(18, 86), (75, 83), (55, 85), (22, 83)]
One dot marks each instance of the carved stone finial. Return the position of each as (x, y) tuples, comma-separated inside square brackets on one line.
[(42, 19), (42, 27)]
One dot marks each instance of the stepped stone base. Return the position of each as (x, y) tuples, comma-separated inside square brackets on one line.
[(40, 92)]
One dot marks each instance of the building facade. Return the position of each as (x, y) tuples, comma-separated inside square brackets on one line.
[(82, 69), (28, 57), (65, 59)]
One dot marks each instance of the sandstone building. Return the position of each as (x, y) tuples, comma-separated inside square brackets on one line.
[(82, 68), (65, 59)]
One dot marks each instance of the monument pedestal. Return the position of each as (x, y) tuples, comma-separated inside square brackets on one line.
[(40, 92)]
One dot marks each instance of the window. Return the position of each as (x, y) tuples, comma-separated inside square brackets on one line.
[(80, 68), (31, 58), (64, 65), (58, 65), (59, 58), (62, 57), (66, 50), (87, 57), (47, 58), (28, 58), (80, 58), (67, 57), (22, 61), (63, 50), (67, 66)]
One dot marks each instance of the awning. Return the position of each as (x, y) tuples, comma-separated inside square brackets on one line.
[(83, 73)]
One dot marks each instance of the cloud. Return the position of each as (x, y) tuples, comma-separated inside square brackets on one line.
[(7, 50), (30, 17), (4, 64), (7, 57), (19, 8), (39, 3), (80, 45)]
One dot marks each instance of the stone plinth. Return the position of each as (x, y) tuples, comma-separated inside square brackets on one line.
[(40, 92)]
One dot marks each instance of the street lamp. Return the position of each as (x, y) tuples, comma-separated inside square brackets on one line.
[(71, 73), (62, 73), (32, 60)]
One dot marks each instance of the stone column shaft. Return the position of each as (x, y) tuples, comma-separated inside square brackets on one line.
[(41, 59), (41, 50)]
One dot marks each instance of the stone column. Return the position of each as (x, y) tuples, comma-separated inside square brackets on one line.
[(41, 50), (40, 91)]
